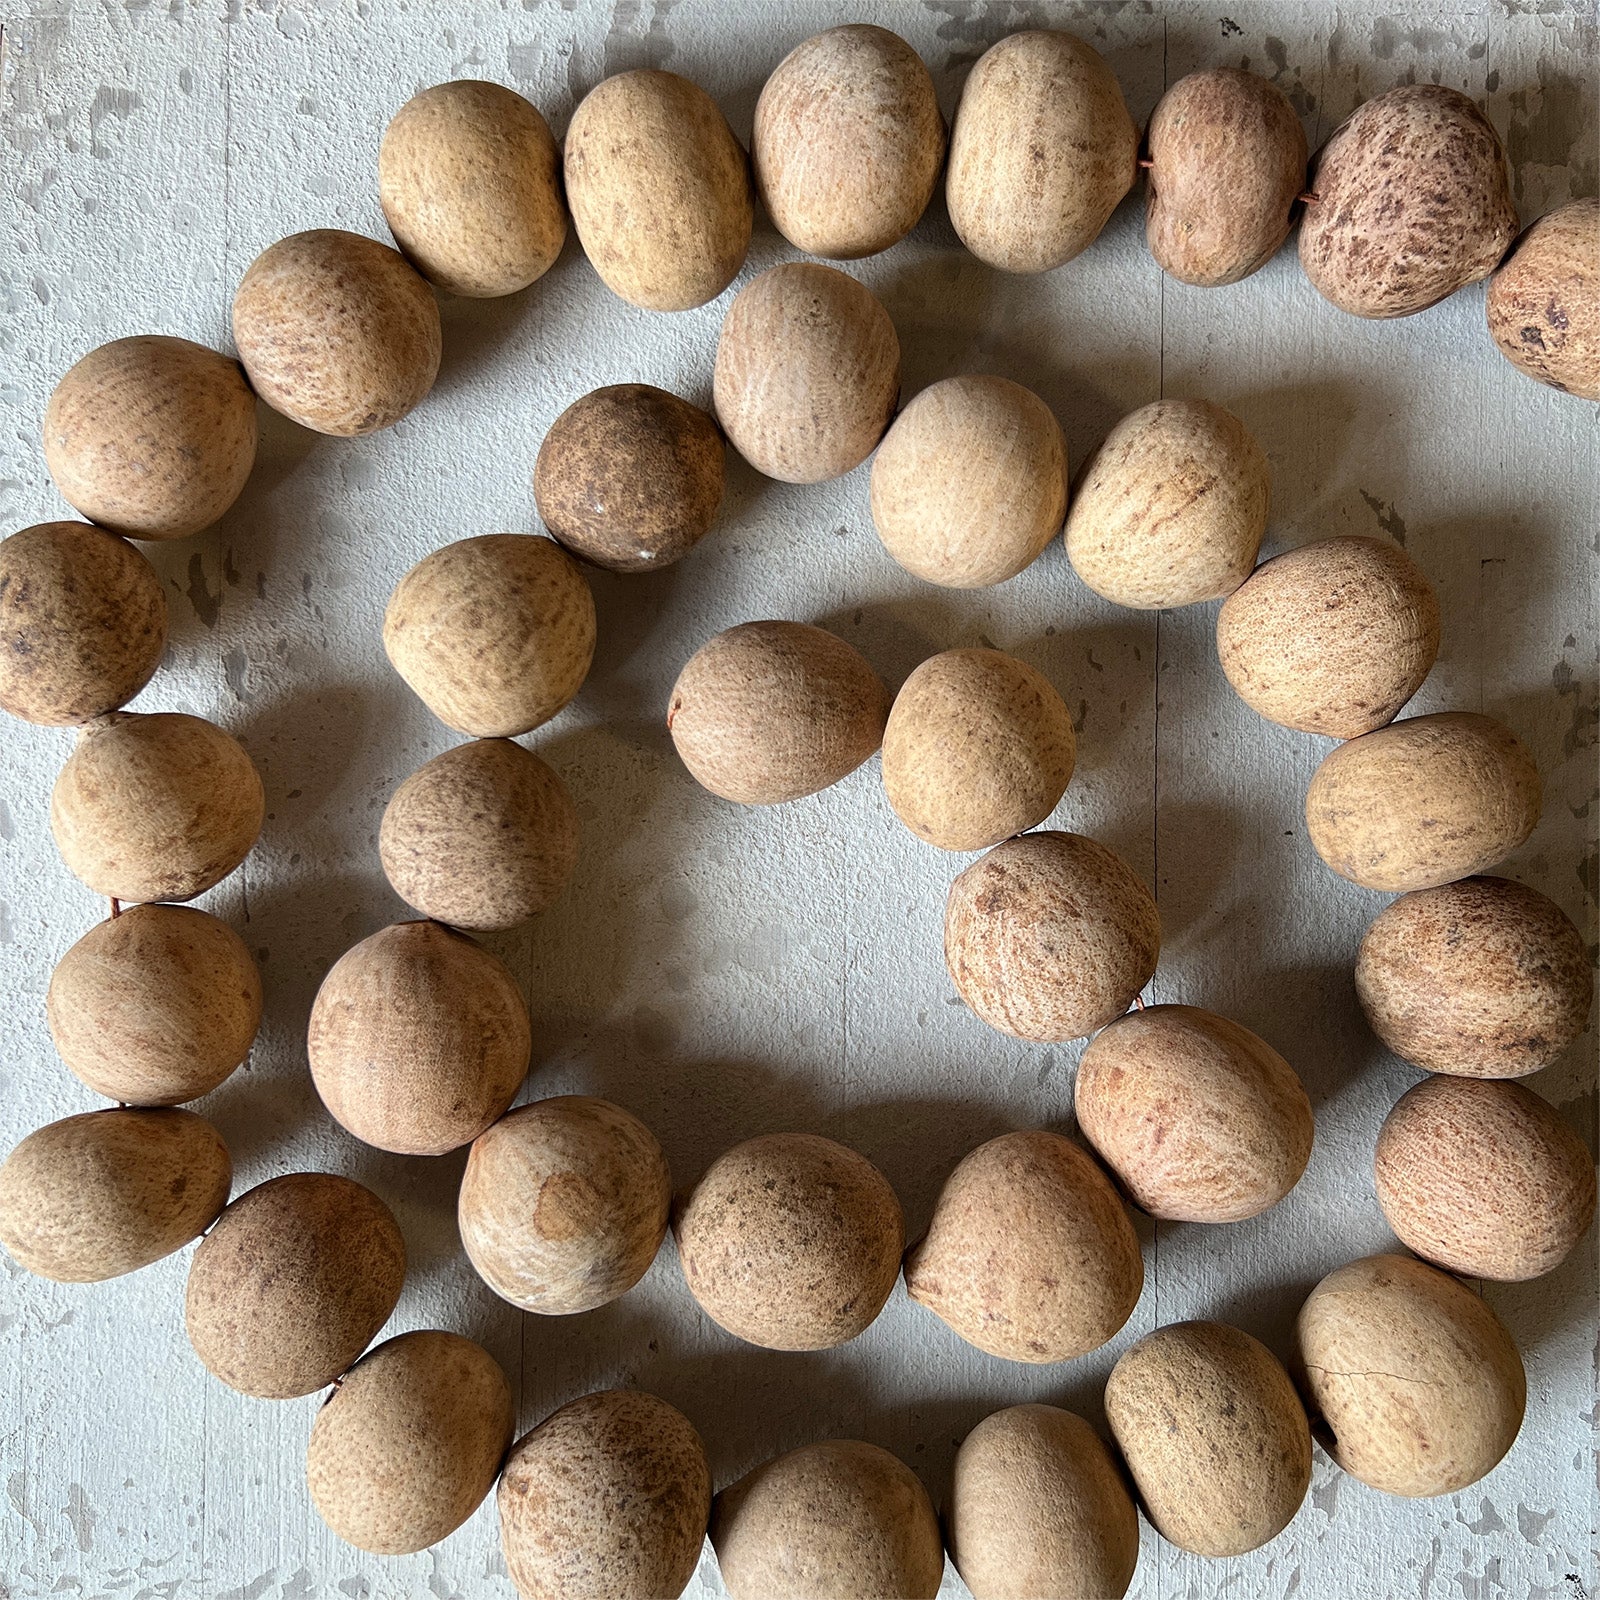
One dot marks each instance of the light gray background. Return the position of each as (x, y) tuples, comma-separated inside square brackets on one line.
[(723, 971)]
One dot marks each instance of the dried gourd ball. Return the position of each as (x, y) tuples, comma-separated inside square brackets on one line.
[(970, 484), (773, 711), (1423, 802), (495, 634), (791, 1241), (155, 807), (418, 1040), (1486, 978), (151, 437), (407, 1446), (1050, 936), (807, 373), (1544, 301), (564, 1204), (1333, 637), (292, 1284), (470, 181), (630, 477), (481, 837), (83, 623), (155, 1006), (337, 332), (95, 1196), (978, 747)]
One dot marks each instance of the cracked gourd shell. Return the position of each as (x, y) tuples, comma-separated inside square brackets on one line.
[(1544, 301)]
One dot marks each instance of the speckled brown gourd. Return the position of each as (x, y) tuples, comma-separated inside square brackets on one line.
[(848, 142), (481, 837), (1418, 1382), (1544, 301), (1486, 978), (773, 711), (495, 634), (156, 1006), (94, 1196), (337, 332), (1484, 1179), (1171, 508), (1214, 1435), (1050, 936), (1227, 164), (292, 1284), (155, 807), (1038, 1507), (470, 181), (1030, 1254), (807, 373), (630, 477), (1041, 152), (970, 484), (83, 623), (1201, 1120), (978, 747), (791, 1241), (659, 189), (1334, 637), (1413, 201), (564, 1204), (1423, 802), (410, 1442), (841, 1520), (607, 1499), (151, 437), (418, 1040)]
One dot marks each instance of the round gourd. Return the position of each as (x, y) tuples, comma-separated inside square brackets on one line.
[(482, 837), (1201, 1120), (1038, 1507), (155, 1006), (1412, 201), (419, 1039), (848, 142), (1334, 637), (1227, 163), (630, 477), (292, 1283), (470, 181), (1214, 1435), (791, 1241), (337, 332), (495, 635), (564, 1204), (151, 437), (1050, 936), (807, 373), (970, 484), (978, 747), (1417, 1381), (773, 711), (155, 807), (95, 1196), (1041, 151), (1423, 802), (1171, 508), (607, 1499), (1030, 1254), (836, 1521), (1484, 1179), (410, 1442), (659, 189), (1544, 301), (1486, 978), (83, 623)]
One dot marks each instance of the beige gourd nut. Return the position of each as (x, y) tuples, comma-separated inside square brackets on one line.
[(1544, 301)]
